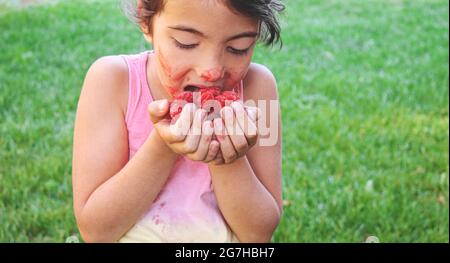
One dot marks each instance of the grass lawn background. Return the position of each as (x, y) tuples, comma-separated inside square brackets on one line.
[(364, 94)]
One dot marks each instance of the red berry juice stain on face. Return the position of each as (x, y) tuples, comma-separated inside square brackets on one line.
[(177, 77), (173, 91), (212, 75), (172, 74), (164, 65)]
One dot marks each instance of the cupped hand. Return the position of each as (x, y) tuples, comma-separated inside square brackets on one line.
[(236, 130), (191, 135)]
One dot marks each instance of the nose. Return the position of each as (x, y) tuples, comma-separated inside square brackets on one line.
[(212, 68), (212, 75)]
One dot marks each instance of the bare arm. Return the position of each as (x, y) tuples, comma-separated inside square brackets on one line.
[(248, 190), (110, 193)]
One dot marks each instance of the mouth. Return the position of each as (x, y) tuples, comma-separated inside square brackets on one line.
[(191, 88), (194, 88)]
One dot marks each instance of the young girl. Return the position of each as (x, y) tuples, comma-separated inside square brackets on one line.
[(137, 176)]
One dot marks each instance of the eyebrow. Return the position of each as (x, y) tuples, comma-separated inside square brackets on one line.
[(194, 31)]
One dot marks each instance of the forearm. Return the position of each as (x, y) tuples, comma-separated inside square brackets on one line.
[(248, 207), (115, 206)]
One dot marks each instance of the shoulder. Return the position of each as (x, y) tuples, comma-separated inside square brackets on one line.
[(260, 83), (107, 81), (110, 68)]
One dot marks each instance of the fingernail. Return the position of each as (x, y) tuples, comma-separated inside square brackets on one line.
[(162, 105)]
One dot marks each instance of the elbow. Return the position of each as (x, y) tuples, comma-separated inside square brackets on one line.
[(94, 237), (257, 237), (265, 232), (95, 227), (271, 227), (91, 232)]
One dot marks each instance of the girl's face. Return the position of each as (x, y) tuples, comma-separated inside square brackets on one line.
[(201, 43)]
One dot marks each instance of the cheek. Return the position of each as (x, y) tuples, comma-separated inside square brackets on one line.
[(164, 63), (173, 69), (235, 77), (237, 72)]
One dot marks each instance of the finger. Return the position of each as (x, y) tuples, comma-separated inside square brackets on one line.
[(163, 129), (234, 131), (193, 137), (181, 128), (246, 122), (213, 151), (205, 141), (157, 110), (191, 144), (226, 146), (219, 159)]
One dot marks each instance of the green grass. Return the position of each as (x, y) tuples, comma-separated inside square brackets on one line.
[(364, 94)]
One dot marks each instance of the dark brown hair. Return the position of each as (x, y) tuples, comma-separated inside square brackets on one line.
[(264, 11)]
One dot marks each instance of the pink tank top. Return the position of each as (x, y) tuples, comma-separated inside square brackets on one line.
[(186, 209)]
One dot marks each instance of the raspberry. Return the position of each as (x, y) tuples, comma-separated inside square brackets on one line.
[(206, 95), (230, 95), (176, 107)]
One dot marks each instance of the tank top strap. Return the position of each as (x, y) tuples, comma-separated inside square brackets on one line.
[(138, 89)]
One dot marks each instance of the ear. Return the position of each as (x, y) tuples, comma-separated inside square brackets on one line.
[(144, 27), (148, 37)]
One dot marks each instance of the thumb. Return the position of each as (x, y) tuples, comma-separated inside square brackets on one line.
[(158, 110)]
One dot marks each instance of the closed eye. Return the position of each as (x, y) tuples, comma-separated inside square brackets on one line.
[(184, 46), (240, 52)]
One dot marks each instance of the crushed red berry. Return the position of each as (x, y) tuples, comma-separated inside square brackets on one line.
[(211, 100)]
